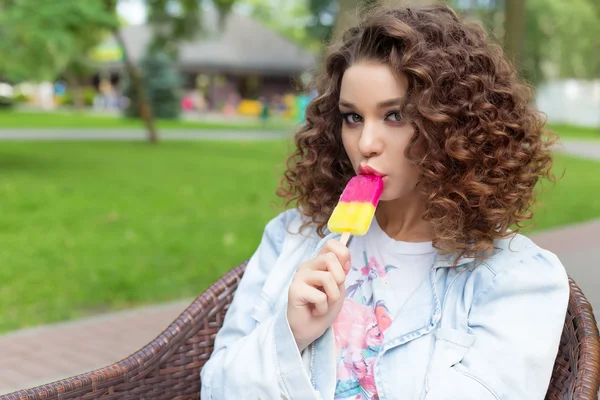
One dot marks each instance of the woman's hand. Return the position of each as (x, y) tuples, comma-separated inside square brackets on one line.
[(317, 293)]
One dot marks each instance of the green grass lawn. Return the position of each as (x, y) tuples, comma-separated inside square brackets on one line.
[(23, 119), (576, 132), (574, 198), (91, 227), (87, 227)]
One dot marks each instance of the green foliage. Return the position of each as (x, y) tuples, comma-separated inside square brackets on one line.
[(39, 38), (88, 97), (224, 7), (325, 13), (21, 98), (563, 39), (173, 21), (163, 86), (295, 20)]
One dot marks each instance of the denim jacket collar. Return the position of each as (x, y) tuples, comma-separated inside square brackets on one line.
[(445, 260), (442, 260)]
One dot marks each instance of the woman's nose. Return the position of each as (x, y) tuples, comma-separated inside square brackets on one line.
[(370, 143)]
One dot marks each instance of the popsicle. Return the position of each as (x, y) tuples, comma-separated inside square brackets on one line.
[(355, 210)]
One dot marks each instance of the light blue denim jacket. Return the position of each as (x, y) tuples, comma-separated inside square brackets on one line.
[(470, 332)]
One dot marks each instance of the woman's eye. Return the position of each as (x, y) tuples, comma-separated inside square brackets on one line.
[(352, 118), (394, 116)]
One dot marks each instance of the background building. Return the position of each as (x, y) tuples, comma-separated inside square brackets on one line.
[(244, 59)]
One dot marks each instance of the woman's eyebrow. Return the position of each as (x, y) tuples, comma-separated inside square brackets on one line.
[(382, 104)]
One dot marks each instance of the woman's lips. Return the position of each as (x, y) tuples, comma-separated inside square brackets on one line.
[(367, 170)]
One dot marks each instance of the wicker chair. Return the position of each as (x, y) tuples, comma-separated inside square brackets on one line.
[(169, 367)]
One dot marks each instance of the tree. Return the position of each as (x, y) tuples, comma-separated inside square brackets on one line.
[(347, 15), (310, 23), (139, 92), (172, 21), (514, 30), (489, 13), (81, 66), (346, 12), (39, 38), (162, 82), (555, 39), (561, 40), (291, 19)]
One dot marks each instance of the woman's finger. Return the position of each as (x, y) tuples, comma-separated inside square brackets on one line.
[(335, 247), (325, 280), (310, 294), (327, 262)]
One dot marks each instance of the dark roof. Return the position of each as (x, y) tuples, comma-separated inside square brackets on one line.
[(244, 45)]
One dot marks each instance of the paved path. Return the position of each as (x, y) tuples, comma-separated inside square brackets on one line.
[(36, 356), (578, 249), (136, 134), (583, 148)]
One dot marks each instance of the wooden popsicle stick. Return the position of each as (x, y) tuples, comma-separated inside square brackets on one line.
[(345, 238)]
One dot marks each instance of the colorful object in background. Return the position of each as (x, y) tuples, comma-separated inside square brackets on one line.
[(290, 106), (356, 208), (249, 107), (107, 52), (187, 103), (302, 102)]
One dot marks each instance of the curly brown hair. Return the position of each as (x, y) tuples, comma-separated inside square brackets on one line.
[(484, 146)]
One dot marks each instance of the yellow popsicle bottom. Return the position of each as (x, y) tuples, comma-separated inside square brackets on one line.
[(353, 217)]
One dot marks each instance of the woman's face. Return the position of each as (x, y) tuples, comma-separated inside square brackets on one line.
[(373, 131)]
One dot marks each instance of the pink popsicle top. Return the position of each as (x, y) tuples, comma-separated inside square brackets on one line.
[(362, 189)]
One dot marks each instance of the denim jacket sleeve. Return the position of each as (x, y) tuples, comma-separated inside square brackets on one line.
[(255, 359), (516, 322)]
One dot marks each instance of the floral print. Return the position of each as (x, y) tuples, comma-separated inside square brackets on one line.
[(359, 330)]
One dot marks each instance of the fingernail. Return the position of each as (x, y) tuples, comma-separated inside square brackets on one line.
[(347, 266)]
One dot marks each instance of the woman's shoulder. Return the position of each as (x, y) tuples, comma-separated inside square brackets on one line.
[(519, 262), (290, 222), (520, 249)]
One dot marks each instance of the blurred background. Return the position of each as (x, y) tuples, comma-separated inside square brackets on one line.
[(141, 141)]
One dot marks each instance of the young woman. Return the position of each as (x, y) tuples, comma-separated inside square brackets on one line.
[(442, 298)]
